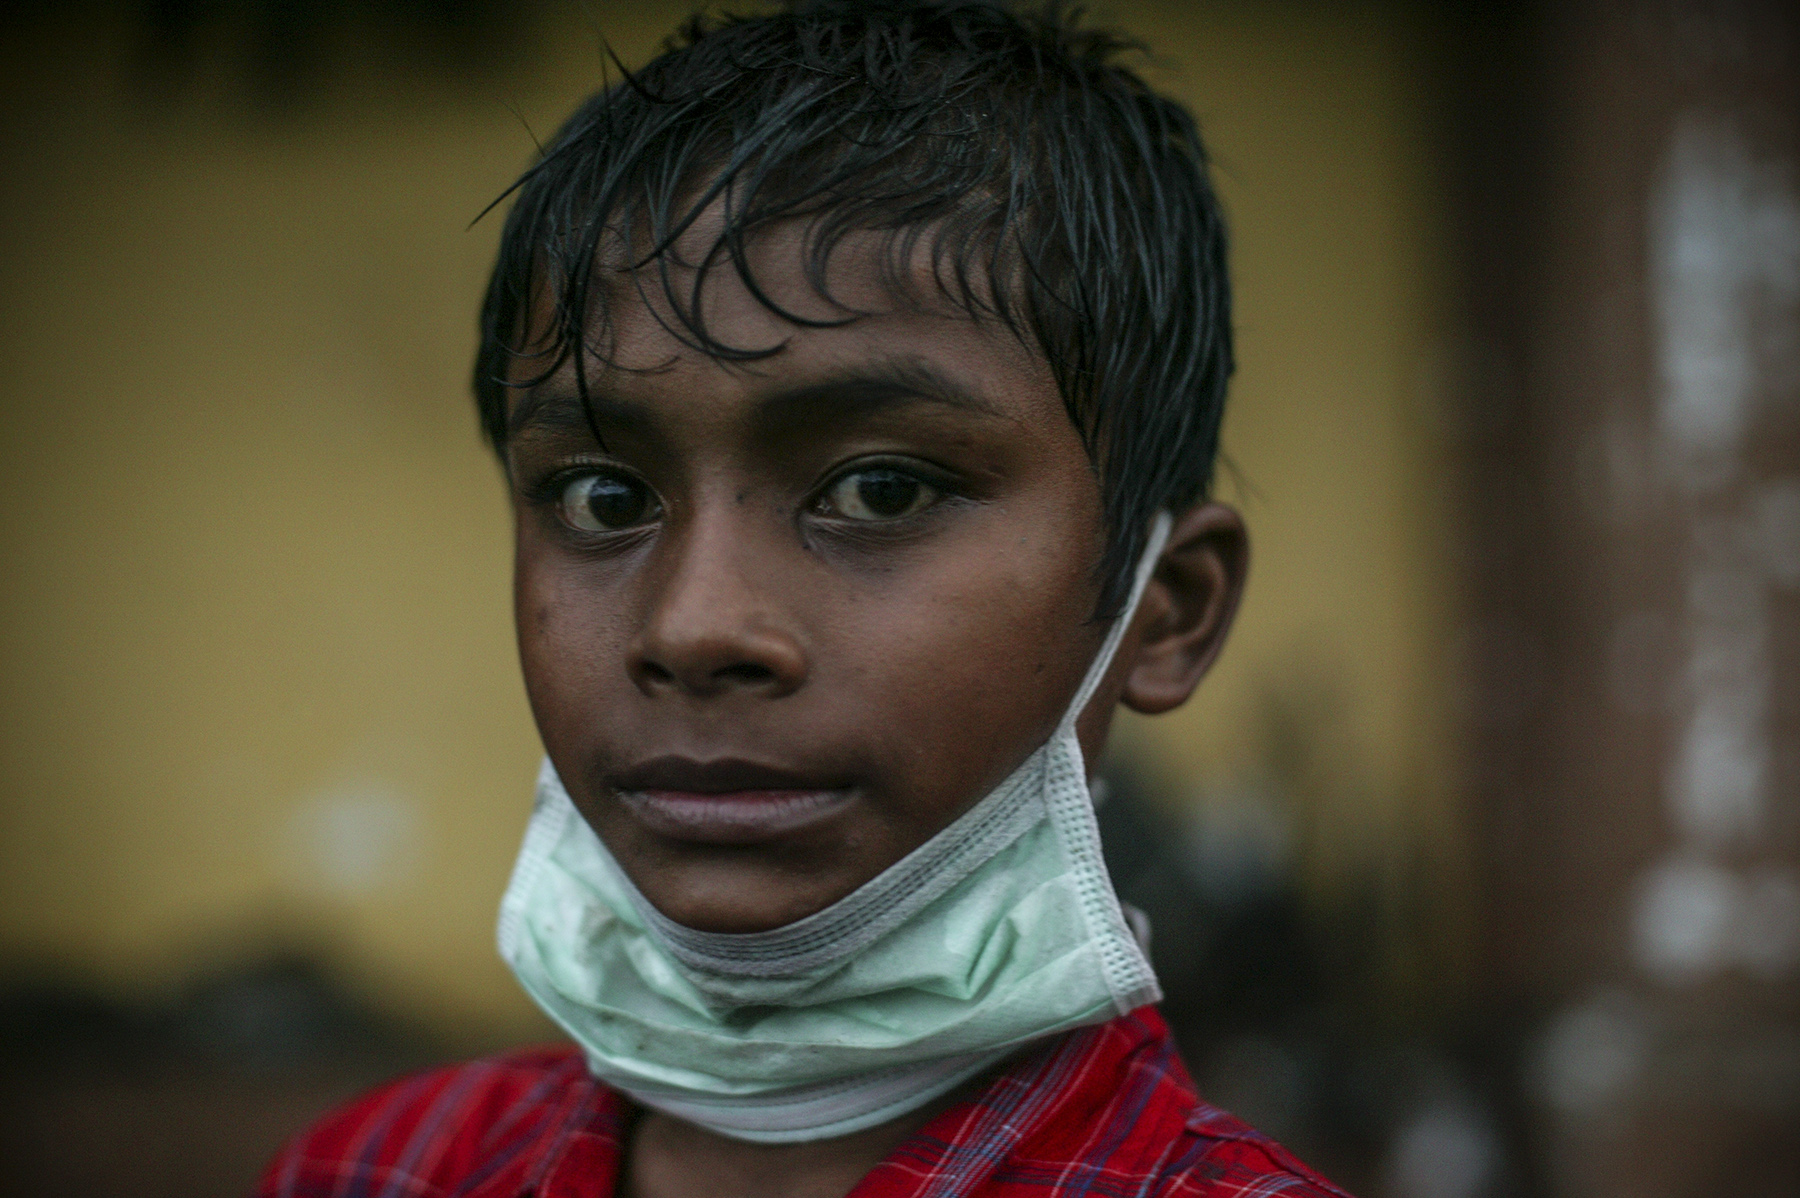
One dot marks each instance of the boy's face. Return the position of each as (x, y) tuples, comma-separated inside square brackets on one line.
[(801, 612)]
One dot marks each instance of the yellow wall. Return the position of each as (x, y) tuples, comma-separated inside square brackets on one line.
[(254, 618), (1322, 134)]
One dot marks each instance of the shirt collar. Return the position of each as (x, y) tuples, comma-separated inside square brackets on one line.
[(950, 1157)]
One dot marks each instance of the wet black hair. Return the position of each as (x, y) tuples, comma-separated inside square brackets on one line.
[(1054, 191)]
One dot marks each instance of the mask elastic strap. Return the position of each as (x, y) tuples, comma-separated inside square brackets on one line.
[(1159, 537)]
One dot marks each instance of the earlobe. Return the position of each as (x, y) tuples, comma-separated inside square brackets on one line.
[(1187, 608)]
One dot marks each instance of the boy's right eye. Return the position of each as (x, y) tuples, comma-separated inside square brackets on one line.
[(605, 503)]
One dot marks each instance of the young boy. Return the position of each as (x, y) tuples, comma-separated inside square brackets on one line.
[(857, 372)]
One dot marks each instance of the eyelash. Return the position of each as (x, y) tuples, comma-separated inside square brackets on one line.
[(547, 491), (546, 494), (932, 480)]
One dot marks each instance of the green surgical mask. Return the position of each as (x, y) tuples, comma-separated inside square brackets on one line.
[(1001, 929)]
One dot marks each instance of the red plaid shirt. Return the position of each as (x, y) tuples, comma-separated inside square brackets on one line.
[(1102, 1112)]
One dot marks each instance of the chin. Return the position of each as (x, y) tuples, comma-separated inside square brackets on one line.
[(740, 900)]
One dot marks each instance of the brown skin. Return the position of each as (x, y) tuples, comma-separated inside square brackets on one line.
[(863, 570)]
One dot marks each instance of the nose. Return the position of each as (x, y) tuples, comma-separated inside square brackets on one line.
[(716, 624)]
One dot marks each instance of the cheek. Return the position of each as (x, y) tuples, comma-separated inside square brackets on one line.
[(977, 677), (563, 634)]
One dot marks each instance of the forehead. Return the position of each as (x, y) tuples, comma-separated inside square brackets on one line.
[(780, 314)]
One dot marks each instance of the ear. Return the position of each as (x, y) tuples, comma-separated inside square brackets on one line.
[(1187, 608)]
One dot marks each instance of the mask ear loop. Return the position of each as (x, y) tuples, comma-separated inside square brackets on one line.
[(1159, 539)]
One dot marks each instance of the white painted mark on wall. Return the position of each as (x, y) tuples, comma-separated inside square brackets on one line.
[(1778, 529), (1446, 1149), (1725, 257), (1695, 917), (1725, 276), (1592, 1053), (350, 839)]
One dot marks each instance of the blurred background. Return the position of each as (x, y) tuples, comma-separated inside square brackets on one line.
[(1475, 866)]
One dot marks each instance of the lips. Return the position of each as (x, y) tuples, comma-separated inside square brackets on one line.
[(727, 801)]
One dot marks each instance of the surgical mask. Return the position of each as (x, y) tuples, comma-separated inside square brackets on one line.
[(1001, 929)]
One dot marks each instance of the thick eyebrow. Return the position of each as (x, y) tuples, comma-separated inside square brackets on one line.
[(872, 386), (867, 387), (555, 407)]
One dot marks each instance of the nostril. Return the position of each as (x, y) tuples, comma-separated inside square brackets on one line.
[(738, 674)]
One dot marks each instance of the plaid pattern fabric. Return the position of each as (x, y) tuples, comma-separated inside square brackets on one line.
[(1102, 1112)]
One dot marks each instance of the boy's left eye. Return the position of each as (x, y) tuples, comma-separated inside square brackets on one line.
[(877, 494)]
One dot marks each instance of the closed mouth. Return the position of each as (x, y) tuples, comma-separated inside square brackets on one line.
[(727, 801)]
